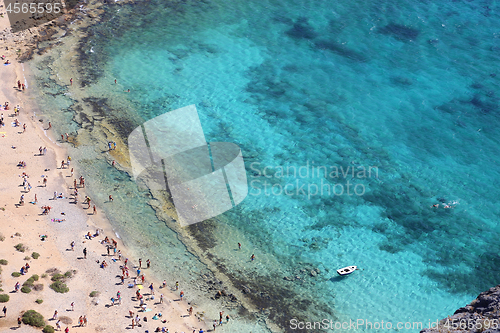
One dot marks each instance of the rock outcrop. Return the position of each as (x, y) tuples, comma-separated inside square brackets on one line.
[(481, 315)]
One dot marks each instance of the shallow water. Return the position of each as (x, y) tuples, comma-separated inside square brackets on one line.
[(405, 91)]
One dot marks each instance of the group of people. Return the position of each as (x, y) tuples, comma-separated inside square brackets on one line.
[(42, 151), (66, 162), (24, 269), (46, 210), (111, 244), (20, 86)]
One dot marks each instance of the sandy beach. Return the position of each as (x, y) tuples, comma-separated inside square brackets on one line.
[(69, 220)]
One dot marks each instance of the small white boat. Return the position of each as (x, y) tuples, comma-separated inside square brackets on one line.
[(346, 270)]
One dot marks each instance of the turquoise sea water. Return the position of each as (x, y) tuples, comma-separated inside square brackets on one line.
[(405, 90)]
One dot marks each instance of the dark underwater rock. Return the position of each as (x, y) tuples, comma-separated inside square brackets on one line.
[(302, 30), (341, 50), (398, 31)]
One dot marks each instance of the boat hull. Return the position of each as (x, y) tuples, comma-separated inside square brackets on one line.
[(346, 270)]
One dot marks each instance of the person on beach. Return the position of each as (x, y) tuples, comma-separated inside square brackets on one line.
[(138, 272), (152, 289), (54, 317), (84, 320), (85, 253), (176, 285), (45, 181), (50, 125), (252, 257), (140, 263), (181, 294), (190, 311), (164, 284), (58, 325), (161, 298), (73, 246), (17, 286), (19, 321), (95, 210), (110, 198), (72, 306), (66, 330), (148, 263), (18, 84), (71, 81), (239, 246), (4, 310), (227, 319)]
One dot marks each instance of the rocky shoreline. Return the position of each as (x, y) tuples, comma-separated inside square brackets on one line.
[(481, 315)]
